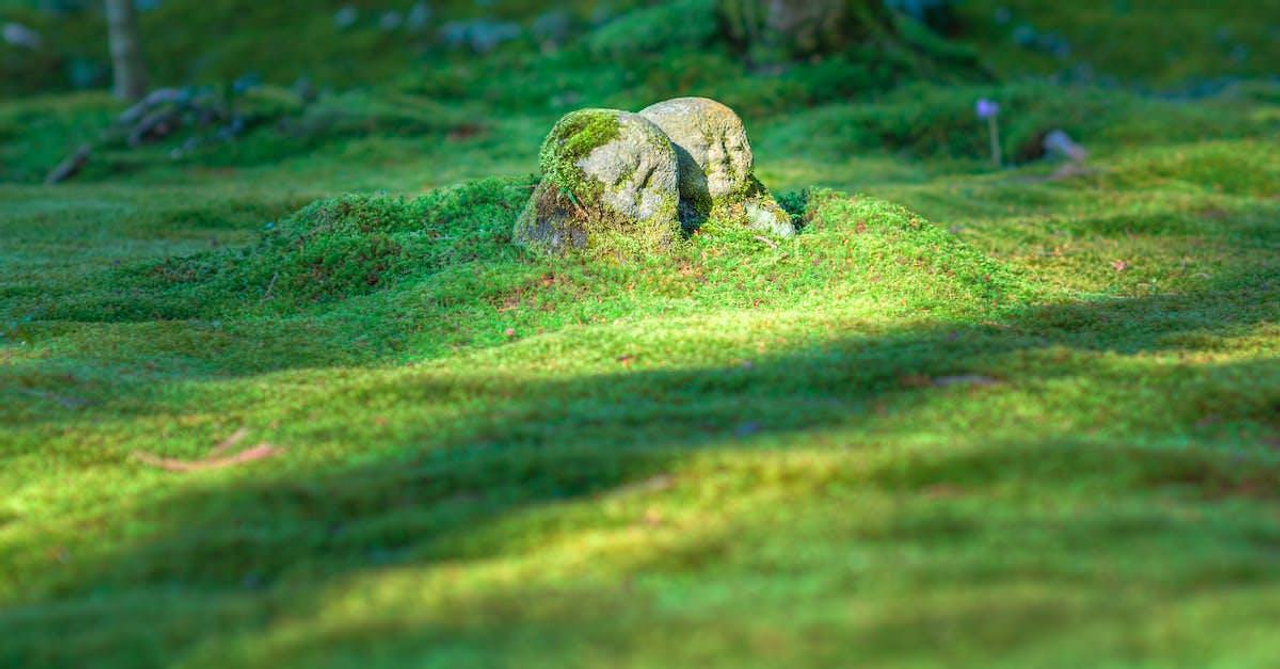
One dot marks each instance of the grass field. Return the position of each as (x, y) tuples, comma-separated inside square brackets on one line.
[(968, 417)]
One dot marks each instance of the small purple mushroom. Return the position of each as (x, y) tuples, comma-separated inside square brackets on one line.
[(987, 109)]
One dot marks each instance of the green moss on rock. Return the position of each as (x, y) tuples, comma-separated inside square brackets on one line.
[(571, 140), (717, 177), (610, 181)]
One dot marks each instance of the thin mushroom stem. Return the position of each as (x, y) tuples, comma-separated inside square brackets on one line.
[(997, 157)]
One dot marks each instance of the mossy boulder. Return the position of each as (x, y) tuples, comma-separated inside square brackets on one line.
[(610, 180), (717, 166)]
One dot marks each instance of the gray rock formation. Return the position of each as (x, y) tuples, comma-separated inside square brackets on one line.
[(610, 181), (717, 166)]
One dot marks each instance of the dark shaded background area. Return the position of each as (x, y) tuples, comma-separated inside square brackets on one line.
[(1181, 44)]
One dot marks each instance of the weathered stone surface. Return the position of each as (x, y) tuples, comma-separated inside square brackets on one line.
[(609, 178), (716, 165), (711, 142), (765, 214)]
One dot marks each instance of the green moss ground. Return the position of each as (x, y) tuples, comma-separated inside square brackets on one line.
[(966, 418)]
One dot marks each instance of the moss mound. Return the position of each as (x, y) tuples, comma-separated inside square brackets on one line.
[(356, 244), (330, 250), (895, 255), (451, 249), (939, 123)]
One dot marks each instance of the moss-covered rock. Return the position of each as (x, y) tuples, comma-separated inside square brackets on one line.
[(717, 166), (610, 180)]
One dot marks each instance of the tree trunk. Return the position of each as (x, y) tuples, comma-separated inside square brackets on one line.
[(791, 29), (130, 72)]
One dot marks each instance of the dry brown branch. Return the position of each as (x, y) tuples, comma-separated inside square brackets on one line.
[(260, 452), (216, 459), (228, 443), (71, 166)]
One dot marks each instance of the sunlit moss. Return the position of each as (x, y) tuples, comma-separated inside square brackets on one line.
[(966, 417)]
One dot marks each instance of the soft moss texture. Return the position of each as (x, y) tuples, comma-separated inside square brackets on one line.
[(1016, 418), (573, 138), (752, 206)]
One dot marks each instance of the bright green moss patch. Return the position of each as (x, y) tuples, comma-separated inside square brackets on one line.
[(331, 250), (357, 244), (889, 245), (571, 140), (968, 417)]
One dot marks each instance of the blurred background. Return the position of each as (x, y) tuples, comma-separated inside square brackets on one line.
[(1185, 45), (244, 81)]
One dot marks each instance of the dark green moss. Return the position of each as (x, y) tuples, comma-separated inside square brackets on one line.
[(678, 25)]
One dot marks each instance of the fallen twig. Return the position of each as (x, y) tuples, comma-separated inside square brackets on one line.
[(217, 458), (660, 483), (768, 242), (228, 443), (259, 452), (66, 402), (965, 380), (270, 286), (71, 166), (154, 99)]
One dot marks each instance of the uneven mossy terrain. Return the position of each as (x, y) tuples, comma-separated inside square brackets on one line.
[(965, 418)]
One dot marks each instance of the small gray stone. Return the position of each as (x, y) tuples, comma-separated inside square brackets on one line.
[(1059, 143), (553, 28), (346, 17), (21, 36), (390, 21), (481, 35), (765, 215), (419, 16)]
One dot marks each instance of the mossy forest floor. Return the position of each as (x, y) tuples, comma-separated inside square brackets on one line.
[(968, 417)]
